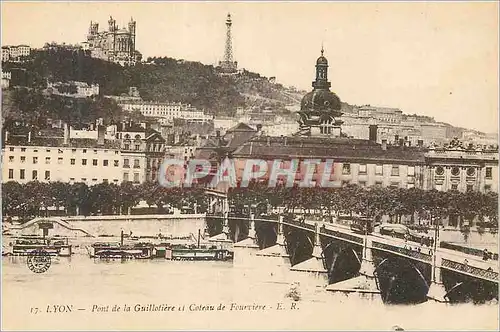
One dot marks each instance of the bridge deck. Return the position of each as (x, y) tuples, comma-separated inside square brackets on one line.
[(452, 260)]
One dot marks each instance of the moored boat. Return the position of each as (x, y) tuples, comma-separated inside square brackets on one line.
[(23, 246), (198, 253), (111, 250)]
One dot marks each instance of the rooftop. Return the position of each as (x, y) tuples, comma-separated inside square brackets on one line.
[(44, 141), (326, 148)]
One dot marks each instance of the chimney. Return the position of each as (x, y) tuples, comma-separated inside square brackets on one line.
[(66, 133), (373, 133), (101, 131), (420, 143), (384, 144)]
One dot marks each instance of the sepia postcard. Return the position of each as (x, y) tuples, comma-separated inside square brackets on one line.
[(249, 166)]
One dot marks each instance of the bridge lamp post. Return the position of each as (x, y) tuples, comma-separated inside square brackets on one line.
[(225, 214), (251, 214), (435, 247), (436, 291)]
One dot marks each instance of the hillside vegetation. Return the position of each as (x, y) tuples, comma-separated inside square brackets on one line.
[(160, 79)]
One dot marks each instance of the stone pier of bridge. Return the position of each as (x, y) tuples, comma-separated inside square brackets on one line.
[(273, 263), (245, 250), (274, 260), (312, 270), (223, 240), (437, 290), (365, 283)]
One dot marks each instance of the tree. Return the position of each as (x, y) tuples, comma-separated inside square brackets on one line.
[(105, 198), (129, 196), (77, 199), (59, 192), (13, 196)]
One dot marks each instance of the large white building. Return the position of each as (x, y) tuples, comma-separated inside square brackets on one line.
[(167, 111), (6, 77), (458, 166), (15, 53), (385, 114), (134, 155), (74, 89)]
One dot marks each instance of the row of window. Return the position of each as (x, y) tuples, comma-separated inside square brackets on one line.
[(471, 171), (60, 160), (469, 187), (127, 178), (12, 149), (34, 176), (378, 184), (379, 170)]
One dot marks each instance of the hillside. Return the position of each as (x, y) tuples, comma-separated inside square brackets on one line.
[(160, 79)]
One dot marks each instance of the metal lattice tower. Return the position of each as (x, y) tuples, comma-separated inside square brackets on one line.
[(228, 64)]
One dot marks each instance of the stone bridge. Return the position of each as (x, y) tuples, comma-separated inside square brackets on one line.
[(441, 274)]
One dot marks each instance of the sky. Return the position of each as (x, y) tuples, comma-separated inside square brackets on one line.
[(438, 59)]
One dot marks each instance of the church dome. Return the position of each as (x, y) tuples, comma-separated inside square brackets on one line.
[(320, 100), (322, 60)]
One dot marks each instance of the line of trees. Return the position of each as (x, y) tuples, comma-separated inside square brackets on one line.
[(162, 79), (37, 198), (34, 198), (415, 204)]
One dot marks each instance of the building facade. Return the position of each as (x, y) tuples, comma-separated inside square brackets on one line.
[(462, 168), (6, 77), (114, 45), (73, 89), (373, 161), (134, 155), (166, 111), (15, 53), (385, 114)]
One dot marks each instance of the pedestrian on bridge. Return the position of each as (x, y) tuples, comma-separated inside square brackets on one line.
[(486, 255)]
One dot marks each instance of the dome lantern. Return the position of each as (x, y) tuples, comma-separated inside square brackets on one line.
[(320, 108)]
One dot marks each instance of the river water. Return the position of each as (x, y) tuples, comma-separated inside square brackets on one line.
[(86, 284)]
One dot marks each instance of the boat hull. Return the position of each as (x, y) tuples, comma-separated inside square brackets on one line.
[(201, 254)]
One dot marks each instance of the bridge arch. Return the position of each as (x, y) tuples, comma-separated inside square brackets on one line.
[(345, 263), (462, 288), (401, 281)]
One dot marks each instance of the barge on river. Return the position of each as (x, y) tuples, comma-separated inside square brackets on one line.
[(23, 246), (169, 251), (112, 250), (192, 252)]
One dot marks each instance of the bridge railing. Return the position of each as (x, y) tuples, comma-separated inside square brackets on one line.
[(342, 235), (299, 223), (487, 274), (465, 250), (404, 251)]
